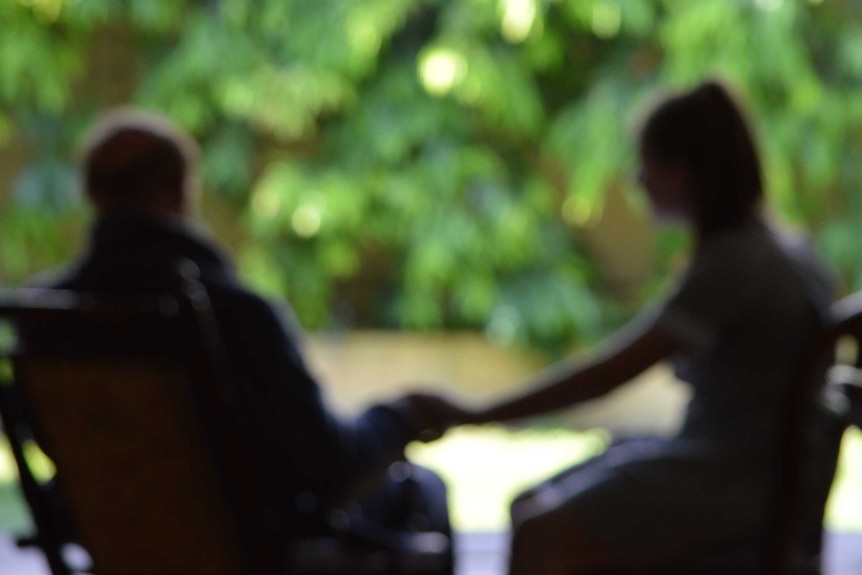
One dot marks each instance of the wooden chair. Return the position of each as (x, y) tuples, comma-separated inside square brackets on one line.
[(827, 397), (148, 451)]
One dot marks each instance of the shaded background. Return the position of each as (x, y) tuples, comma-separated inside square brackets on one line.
[(430, 164)]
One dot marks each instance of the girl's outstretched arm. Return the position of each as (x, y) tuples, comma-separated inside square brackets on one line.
[(630, 352)]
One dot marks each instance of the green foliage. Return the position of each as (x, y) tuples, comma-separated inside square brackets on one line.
[(430, 164)]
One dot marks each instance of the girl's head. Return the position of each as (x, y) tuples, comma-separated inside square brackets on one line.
[(699, 160)]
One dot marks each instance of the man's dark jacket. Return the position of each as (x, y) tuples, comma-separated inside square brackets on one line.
[(301, 445)]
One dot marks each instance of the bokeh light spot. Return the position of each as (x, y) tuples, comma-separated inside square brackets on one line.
[(266, 202), (306, 221), (576, 213), (440, 70), (607, 19), (518, 19), (48, 10)]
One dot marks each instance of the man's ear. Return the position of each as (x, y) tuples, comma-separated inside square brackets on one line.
[(179, 201)]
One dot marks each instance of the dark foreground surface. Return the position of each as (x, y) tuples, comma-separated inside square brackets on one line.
[(478, 554)]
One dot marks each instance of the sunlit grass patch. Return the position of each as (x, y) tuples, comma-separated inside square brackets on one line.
[(41, 465), (7, 463), (13, 512), (844, 512), (486, 467)]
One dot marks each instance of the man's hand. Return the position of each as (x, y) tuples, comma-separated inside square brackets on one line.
[(433, 414)]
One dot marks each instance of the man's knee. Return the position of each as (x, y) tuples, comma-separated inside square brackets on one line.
[(431, 499)]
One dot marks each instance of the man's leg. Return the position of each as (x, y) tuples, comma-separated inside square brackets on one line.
[(409, 498)]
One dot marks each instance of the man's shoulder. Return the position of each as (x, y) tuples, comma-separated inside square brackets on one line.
[(247, 305), (234, 291)]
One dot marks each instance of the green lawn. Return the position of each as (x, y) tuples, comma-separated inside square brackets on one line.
[(13, 514), (844, 512), (485, 467)]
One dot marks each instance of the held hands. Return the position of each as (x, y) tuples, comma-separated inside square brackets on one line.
[(434, 413)]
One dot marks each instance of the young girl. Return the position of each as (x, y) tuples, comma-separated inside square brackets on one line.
[(743, 312)]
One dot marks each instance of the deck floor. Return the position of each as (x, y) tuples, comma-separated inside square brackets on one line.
[(478, 554)]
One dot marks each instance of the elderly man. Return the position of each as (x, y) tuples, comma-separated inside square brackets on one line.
[(140, 175)]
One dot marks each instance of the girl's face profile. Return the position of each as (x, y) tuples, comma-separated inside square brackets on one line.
[(666, 186)]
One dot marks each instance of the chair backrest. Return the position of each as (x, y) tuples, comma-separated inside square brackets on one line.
[(823, 404), (127, 399)]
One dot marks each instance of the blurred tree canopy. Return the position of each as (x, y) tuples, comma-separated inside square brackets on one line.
[(428, 164)]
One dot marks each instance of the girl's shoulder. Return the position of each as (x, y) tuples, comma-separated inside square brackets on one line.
[(771, 255), (757, 241)]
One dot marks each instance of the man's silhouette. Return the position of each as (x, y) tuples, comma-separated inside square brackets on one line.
[(139, 173)]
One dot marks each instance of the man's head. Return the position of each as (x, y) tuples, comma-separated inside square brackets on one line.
[(136, 162)]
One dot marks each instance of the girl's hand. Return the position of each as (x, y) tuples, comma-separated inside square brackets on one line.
[(434, 413)]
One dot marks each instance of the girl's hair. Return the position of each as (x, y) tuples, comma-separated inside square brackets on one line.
[(705, 132)]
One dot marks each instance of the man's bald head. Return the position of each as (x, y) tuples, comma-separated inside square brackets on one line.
[(136, 162)]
